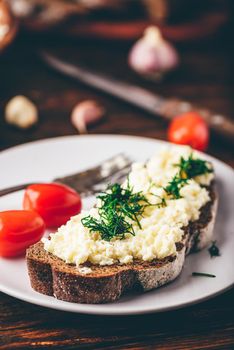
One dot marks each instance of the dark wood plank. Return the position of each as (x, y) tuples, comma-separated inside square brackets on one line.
[(205, 77), (208, 325)]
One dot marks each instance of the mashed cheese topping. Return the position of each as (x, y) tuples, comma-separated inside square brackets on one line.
[(161, 227)]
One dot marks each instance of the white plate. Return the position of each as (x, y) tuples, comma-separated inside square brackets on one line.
[(44, 160)]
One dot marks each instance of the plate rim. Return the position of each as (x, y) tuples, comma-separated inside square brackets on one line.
[(66, 306)]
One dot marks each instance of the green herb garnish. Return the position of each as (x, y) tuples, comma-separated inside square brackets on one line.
[(120, 208), (109, 225), (191, 167), (203, 274), (162, 203), (174, 187), (214, 250), (188, 168)]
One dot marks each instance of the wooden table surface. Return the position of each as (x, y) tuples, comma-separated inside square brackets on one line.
[(205, 77)]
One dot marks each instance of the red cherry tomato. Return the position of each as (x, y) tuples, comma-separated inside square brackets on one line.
[(55, 203), (18, 230), (189, 129)]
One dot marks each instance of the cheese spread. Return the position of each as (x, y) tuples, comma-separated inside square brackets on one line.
[(160, 226)]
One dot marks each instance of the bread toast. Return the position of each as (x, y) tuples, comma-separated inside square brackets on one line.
[(52, 276)]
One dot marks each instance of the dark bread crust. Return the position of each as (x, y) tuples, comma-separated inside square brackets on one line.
[(52, 276), (200, 231)]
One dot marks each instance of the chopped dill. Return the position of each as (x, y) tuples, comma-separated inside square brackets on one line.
[(213, 250), (162, 203), (109, 225), (202, 274), (120, 207), (188, 169), (174, 186), (191, 167)]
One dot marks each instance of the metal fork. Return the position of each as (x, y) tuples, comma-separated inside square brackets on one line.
[(90, 181)]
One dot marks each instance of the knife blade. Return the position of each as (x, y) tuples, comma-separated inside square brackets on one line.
[(153, 103)]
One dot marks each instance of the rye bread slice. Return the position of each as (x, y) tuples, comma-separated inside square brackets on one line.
[(52, 276)]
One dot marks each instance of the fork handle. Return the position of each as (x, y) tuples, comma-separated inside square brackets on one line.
[(13, 189)]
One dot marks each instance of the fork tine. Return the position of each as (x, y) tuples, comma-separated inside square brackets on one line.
[(114, 175), (120, 175), (101, 186), (88, 178)]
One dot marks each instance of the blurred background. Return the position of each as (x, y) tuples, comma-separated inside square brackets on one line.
[(172, 48)]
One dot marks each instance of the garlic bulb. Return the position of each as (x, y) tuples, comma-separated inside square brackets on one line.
[(152, 55), (21, 112), (85, 113)]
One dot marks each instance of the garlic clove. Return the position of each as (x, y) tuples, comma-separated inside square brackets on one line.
[(85, 113), (22, 8), (152, 55), (21, 112)]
